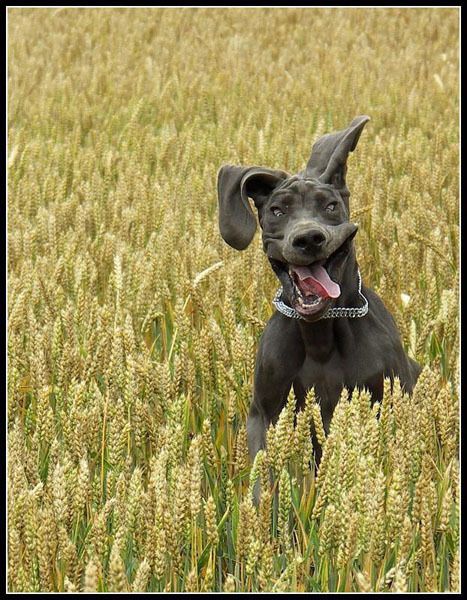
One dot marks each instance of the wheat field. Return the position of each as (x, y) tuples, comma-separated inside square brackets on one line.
[(132, 326)]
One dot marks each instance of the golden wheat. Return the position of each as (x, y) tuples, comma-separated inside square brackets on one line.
[(132, 326)]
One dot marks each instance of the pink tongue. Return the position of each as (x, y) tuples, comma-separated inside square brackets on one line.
[(315, 280)]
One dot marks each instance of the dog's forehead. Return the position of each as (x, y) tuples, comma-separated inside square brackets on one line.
[(302, 185)]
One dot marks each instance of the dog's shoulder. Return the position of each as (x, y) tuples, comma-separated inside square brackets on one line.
[(280, 338), (383, 338), (377, 331), (380, 313), (280, 328)]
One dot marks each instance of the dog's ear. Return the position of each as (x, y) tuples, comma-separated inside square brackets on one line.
[(328, 160), (235, 185)]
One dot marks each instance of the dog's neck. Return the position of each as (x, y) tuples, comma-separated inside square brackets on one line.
[(324, 336)]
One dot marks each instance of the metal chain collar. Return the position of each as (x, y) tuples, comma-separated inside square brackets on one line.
[(331, 313)]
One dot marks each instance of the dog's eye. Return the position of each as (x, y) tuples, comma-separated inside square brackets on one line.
[(331, 207), (277, 211)]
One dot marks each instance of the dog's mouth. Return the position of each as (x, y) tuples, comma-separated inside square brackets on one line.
[(311, 287)]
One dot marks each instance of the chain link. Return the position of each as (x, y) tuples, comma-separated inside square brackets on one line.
[(332, 313)]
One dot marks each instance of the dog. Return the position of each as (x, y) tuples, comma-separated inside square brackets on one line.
[(329, 330)]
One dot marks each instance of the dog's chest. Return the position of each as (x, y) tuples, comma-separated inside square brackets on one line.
[(328, 378)]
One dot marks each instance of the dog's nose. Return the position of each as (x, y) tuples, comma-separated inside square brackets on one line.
[(309, 241)]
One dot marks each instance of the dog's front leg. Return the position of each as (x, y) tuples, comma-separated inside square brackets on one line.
[(272, 387), (279, 358), (265, 407), (256, 427)]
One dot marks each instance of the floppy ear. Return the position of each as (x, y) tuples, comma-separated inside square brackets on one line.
[(237, 223), (328, 161)]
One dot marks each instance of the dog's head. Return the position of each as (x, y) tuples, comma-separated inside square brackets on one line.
[(304, 219)]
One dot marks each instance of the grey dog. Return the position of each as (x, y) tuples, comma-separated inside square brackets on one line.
[(329, 330)]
